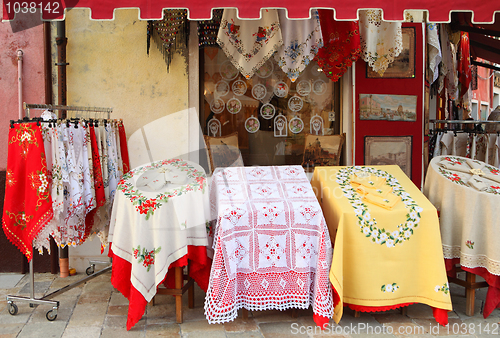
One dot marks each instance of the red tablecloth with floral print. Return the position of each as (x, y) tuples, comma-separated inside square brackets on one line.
[(272, 249)]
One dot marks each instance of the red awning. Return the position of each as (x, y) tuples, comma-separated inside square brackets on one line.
[(439, 10)]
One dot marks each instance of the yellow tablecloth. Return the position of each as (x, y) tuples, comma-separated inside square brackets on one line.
[(382, 257)]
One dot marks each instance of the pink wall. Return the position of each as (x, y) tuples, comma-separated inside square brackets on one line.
[(483, 85), (30, 41)]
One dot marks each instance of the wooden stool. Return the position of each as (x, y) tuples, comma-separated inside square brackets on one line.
[(470, 285), (180, 289)]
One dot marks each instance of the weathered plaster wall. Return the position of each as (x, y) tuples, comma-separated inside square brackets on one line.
[(30, 41), (109, 67)]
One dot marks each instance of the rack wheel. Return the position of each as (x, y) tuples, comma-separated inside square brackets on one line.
[(90, 270), (12, 309), (51, 315)]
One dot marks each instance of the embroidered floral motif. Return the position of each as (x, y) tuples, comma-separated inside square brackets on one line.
[(469, 244), (445, 288), (262, 36), (20, 219), (454, 160), (25, 135), (389, 287), (147, 258), (39, 181), (367, 224), (10, 178), (451, 176), (148, 206)]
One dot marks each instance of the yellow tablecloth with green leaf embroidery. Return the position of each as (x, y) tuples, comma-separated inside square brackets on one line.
[(382, 258)]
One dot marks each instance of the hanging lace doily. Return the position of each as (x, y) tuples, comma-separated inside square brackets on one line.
[(304, 87), (222, 88), (266, 70), (316, 125), (319, 87), (252, 124), (228, 71), (295, 103), (381, 41), (296, 125), (259, 91), (214, 127), (280, 126), (233, 105), (217, 106), (239, 87), (281, 89), (267, 111)]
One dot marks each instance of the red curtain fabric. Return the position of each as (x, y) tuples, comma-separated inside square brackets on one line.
[(296, 9), (341, 45), (28, 203), (98, 184), (464, 69), (123, 147)]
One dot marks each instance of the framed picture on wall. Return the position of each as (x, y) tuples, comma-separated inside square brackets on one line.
[(404, 64), (388, 150), (388, 107)]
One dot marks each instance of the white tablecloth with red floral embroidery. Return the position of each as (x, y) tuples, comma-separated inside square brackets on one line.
[(469, 218), (151, 228), (272, 246)]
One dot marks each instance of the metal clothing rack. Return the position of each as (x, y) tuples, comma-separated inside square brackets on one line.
[(473, 122), (51, 315)]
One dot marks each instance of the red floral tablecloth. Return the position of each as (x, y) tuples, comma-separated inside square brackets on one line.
[(272, 246)]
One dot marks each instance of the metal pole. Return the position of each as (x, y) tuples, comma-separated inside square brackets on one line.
[(61, 42), (20, 82)]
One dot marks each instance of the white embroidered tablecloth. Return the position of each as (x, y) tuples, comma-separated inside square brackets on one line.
[(467, 194), (469, 210), (272, 246), (152, 228)]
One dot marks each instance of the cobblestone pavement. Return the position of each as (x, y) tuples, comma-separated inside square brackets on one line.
[(96, 309)]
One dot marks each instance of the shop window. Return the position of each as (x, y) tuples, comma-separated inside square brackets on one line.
[(473, 112), (484, 111), (270, 113)]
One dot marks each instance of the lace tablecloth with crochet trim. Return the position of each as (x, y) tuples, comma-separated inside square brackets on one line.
[(272, 246)]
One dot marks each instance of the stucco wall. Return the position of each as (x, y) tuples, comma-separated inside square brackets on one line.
[(109, 67), (30, 41)]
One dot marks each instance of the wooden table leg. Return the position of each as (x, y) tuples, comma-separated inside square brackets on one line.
[(244, 314), (357, 314), (404, 310), (470, 294), (179, 281), (295, 313), (191, 296)]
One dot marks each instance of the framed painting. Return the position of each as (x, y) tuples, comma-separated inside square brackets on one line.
[(388, 150), (388, 107), (322, 150), (403, 65)]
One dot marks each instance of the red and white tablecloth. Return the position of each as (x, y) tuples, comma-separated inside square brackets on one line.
[(271, 242), (159, 221)]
